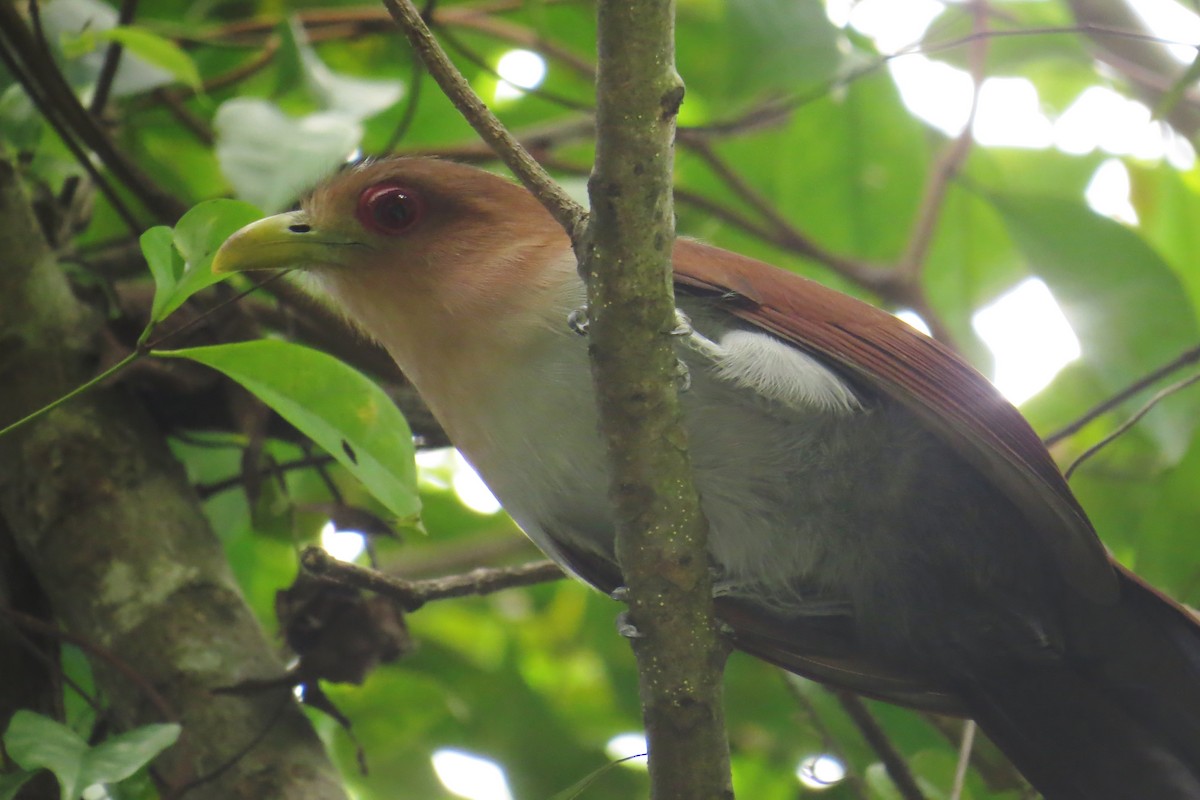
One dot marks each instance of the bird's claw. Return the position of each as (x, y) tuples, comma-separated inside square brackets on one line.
[(696, 341), (683, 376), (626, 628), (577, 321), (683, 324)]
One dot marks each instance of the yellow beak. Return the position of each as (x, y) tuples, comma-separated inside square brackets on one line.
[(284, 241)]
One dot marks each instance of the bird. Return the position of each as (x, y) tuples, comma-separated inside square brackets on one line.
[(880, 518)]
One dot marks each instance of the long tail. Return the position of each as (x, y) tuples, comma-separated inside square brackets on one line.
[(1118, 718)]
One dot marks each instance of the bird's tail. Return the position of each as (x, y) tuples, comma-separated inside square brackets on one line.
[(1118, 718)]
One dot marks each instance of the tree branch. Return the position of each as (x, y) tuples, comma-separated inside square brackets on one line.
[(414, 594), (568, 213), (1184, 359), (667, 569), (73, 119), (661, 538), (897, 768)]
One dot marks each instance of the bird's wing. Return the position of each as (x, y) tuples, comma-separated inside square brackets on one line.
[(823, 649), (957, 403)]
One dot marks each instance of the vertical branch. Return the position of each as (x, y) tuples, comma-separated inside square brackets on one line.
[(661, 534), (112, 60), (625, 253)]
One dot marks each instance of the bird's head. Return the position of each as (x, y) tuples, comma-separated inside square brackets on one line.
[(433, 259)]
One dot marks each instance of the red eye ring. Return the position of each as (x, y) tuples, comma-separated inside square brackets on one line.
[(389, 208)]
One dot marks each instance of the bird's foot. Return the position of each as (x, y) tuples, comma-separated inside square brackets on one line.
[(577, 321), (626, 628), (683, 324), (696, 341), (683, 376)]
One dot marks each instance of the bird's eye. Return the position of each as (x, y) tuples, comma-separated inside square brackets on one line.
[(389, 208)]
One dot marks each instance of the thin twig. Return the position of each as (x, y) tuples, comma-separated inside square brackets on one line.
[(363, 19), (284, 701), (58, 96), (9, 56), (964, 759), (52, 665), (569, 214), (772, 111), (520, 35), (414, 594), (206, 490), (787, 235), (112, 60), (479, 61), (877, 738), (78, 390), (186, 117), (1184, 359), (947, 165), (411, 104), (207, 313), (31, 623), (1124, 427), (829, 742)]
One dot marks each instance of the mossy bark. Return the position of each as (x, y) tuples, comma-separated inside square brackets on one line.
[(661, 533), (117, 540)]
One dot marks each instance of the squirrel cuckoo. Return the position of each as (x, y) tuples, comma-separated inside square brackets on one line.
[(881, 519)]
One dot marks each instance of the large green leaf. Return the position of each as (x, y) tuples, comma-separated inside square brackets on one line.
[(35, 741), (198, 235), (846, 170), (1168, 205), (1126, 305), (118, 757), (335, 405)]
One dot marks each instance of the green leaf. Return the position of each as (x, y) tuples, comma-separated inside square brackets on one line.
[(166, 266), (12, 782), (21, 124), (156, 51), (333, 404), (34, 741), (198, 235), (1167, 103), (118, 757), (78, 46), (778, 44), (181, 260), (1126, 305)]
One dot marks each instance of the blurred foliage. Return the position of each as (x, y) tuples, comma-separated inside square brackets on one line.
[(807, 119)]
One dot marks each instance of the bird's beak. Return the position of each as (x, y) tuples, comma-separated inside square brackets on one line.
[(284, 241)]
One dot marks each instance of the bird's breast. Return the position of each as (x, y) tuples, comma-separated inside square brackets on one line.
[(821, 499)]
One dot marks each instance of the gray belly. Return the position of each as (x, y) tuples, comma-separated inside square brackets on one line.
[(812, 511)]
